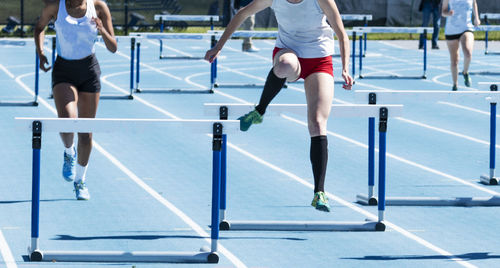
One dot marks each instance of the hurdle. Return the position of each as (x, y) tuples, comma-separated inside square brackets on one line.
[(486, 29), (391, 96), (182, 18), (225, 111), (37, 126), (161, 36), (34, 102), (271, 35), (487, 17), (119, 39), (359, 17), (416, 30), (491, 179)]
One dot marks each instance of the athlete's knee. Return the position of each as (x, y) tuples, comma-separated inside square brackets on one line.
[(317, 126), (467, 53), (286, 67)]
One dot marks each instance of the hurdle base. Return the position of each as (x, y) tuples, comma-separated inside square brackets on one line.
[(18, 103), (174, 91), (123, 256), (180, 58), (116, 97), (393, 77), (493, 201), (487, 180), (224, 225), (367, 201), (324, 226)]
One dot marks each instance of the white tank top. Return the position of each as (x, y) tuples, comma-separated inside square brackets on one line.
[(302, 27), (461, 20), (75, 36)]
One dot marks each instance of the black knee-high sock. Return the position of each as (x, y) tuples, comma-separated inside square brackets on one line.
[(319, 160), (272, 87)]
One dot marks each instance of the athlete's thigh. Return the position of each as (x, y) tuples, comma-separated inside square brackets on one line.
[(66, 99)]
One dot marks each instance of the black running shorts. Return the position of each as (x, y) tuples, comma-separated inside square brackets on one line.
[(84, 74)]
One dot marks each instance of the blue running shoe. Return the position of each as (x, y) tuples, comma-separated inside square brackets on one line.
[(467, 79), (69, 167), (81, 191)]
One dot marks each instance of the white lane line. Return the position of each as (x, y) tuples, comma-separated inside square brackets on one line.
[(230, 256), (465, 108), (6, 253), (11, 75), (342, 201)]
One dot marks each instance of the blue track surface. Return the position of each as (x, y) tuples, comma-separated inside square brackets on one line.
[(152, 190)]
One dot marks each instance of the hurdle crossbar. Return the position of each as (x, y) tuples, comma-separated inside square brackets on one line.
[(268, 34), (119, 39), (138, 89), (359, 17), (39, 125), (224, 111), (34, 102), (391, 96), (409, 30), (487, 17)]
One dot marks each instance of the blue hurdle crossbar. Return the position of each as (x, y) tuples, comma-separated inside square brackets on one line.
[(375, 97), (338, 110), (39, 125), (422, 30)]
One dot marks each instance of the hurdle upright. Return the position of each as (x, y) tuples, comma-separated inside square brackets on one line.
[(225, 111), (34, 102), (487, 17), (392, 96), (409, 30), (182, 18), (37, 126)]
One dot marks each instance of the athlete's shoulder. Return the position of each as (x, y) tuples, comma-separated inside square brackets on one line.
[(99, 4)]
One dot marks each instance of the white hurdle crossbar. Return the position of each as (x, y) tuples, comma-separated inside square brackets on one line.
[(39, 125), (161, 36), (182, 18), (119, 39), (392, 96), (266, 34), (416, 30), (383, 112), (487, 17)]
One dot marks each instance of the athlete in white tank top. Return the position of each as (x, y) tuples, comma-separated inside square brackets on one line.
[(304, 43), (458, 32), (76, 73), (76, 36)]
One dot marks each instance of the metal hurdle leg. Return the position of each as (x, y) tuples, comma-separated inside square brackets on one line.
[(424, 76), (223, 223), (53, 61), (37, 79), (36, 144), (365, 36), (354, 54), (491, 179), (360, 55), (382, 131), (486, 36), (370, 199)]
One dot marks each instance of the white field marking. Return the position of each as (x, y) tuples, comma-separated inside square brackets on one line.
[(11, 75), (137, 98), (436, 78), (6, 253), (465, 108), (142, 184), (146, 65), (350, 205), (340, 200)]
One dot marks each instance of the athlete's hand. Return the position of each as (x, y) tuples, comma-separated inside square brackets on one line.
[(43, 61), (451, 12), (212, 54), (349, 81), (477, 22), (98, 24)]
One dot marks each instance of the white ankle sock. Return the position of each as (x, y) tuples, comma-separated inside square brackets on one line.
[(80, 173), (70, 150)]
